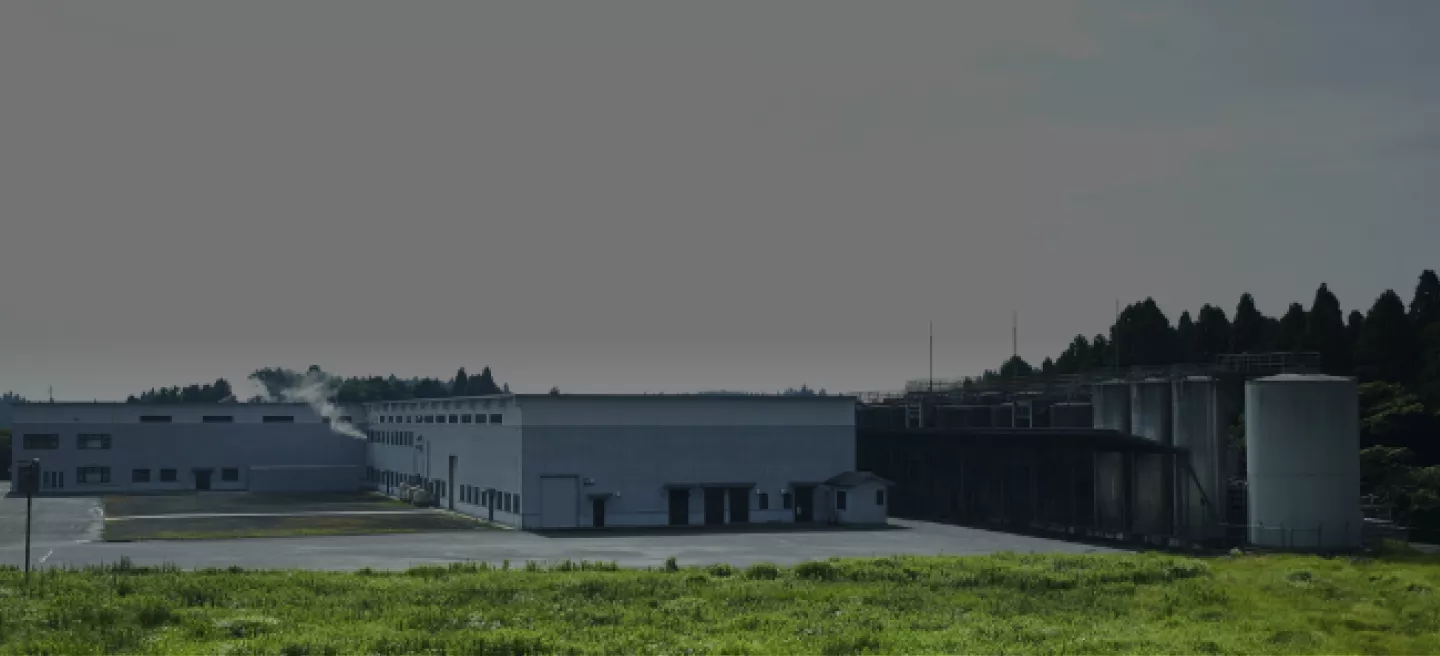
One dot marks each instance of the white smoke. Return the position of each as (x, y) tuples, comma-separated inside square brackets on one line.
[(314, 389)]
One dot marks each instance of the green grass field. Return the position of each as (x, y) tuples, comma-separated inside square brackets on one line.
[(1139, 604)]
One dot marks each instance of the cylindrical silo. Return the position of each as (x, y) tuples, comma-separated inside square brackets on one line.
[(1112, 405), (1150, 409), (1302, 442), (1202, 408)]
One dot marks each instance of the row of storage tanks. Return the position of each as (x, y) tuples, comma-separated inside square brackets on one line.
[(1302, 446)]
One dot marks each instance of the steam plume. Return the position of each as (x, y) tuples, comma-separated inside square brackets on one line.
[(314, 388)]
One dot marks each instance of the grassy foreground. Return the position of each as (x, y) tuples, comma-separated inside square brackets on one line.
[(226, 528), (1144, 604)]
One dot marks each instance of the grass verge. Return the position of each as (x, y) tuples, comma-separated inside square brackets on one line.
[(224, 528), (996, 604)]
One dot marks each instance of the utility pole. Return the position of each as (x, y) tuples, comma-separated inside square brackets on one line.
[(30, 479), (932, 357)]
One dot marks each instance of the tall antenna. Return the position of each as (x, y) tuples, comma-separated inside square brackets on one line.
[(932, 357), (1015, 334)]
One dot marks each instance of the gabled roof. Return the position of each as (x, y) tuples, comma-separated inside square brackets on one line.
[(855, 479)]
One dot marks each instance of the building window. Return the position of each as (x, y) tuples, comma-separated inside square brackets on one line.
[(41, 442), (497, 418), (879, 497), (762, 501), (154, 419), (345, 418), (465, 419), (454, 419), (325, 420), (516, 506), (480, 419), (230, 474), (167, 476), (139, 476), (278, 419), (92, 475), (218, 419), (92, 441), (840, 499), (787, 500)]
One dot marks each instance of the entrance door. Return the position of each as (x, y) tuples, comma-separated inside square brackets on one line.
[(202, 478), (804, 503), (450, 485), (559, 502), (739, 505), (597, 513), (679, 506), (490, 497), (714, 506)]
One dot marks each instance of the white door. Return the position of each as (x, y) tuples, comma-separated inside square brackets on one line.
[(559, 502)]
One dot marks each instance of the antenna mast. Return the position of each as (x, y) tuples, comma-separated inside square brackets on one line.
[(932, 357)]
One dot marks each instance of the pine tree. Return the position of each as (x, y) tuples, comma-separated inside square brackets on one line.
[(1247, 332)]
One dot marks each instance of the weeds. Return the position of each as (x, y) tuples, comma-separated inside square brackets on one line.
[(1005, 603)]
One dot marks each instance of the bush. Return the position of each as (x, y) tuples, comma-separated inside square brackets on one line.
[(762, 572)]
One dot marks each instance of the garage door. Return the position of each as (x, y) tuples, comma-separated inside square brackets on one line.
[(559, 502)]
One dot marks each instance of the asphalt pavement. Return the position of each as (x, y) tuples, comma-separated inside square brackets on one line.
[(67, 533)]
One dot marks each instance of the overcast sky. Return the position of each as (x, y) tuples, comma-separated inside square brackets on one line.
[(623, 196)]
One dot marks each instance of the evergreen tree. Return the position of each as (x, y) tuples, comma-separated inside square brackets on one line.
[(1292, 329), (1425, 306), (461, 385), (1247, 332), (1325, 333), (1186, 334), (1388, 344), (1212, 334)]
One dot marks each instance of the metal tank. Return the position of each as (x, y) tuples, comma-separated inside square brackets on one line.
[(1112, 405), (1202, 408), (1302, 435), (1150, 409), (1072, 415)]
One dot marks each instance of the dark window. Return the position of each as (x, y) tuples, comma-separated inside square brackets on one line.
[(762, 501), (230, 474), (430, 419), (345, 418), (167, 476), (218, 419), (409, 419), (92, 441), (154, 419), (454, 419), (325, 420), (92, 475), (787, 500), (516, 508), (279, 419), (496, 419), (879, 497), (506, 505), (480, 419), (42, 441), (840, 499), (139, 476), (465, 419)]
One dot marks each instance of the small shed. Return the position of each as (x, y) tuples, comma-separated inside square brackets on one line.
[(858, 497)]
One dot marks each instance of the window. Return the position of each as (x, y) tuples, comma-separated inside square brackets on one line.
[(465, 419), (787, 500), (230, 474), (454, 419), (278, 419), (92, 475), (840, 499), (92, 441), (763, 500), (345, 418), (497, 418), (218, 419), (139, 476), (879, 497), (480, 419), (430, 419), (516, 507), (154, 419), (167, 476), (325, 420), (42, 441), (409, 419), (506, 504)]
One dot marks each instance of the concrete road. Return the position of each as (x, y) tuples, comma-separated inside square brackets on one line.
[(58, 522), (391, 552)]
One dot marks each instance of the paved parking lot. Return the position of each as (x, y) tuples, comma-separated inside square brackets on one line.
[(73, 521)]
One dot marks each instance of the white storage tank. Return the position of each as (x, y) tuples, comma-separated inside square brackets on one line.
[(1202, 410), (1302, 443), (1112, 405), (1150, 409)]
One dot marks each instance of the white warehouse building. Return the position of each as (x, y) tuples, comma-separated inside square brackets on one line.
[(566, 461), (528, 461), (94, 448)]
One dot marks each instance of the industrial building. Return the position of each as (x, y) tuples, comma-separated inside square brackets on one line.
[(566, 461), (90, 448), (1153, 455), (529, 461)]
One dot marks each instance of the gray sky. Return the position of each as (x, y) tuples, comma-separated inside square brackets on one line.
[(620, 196)]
